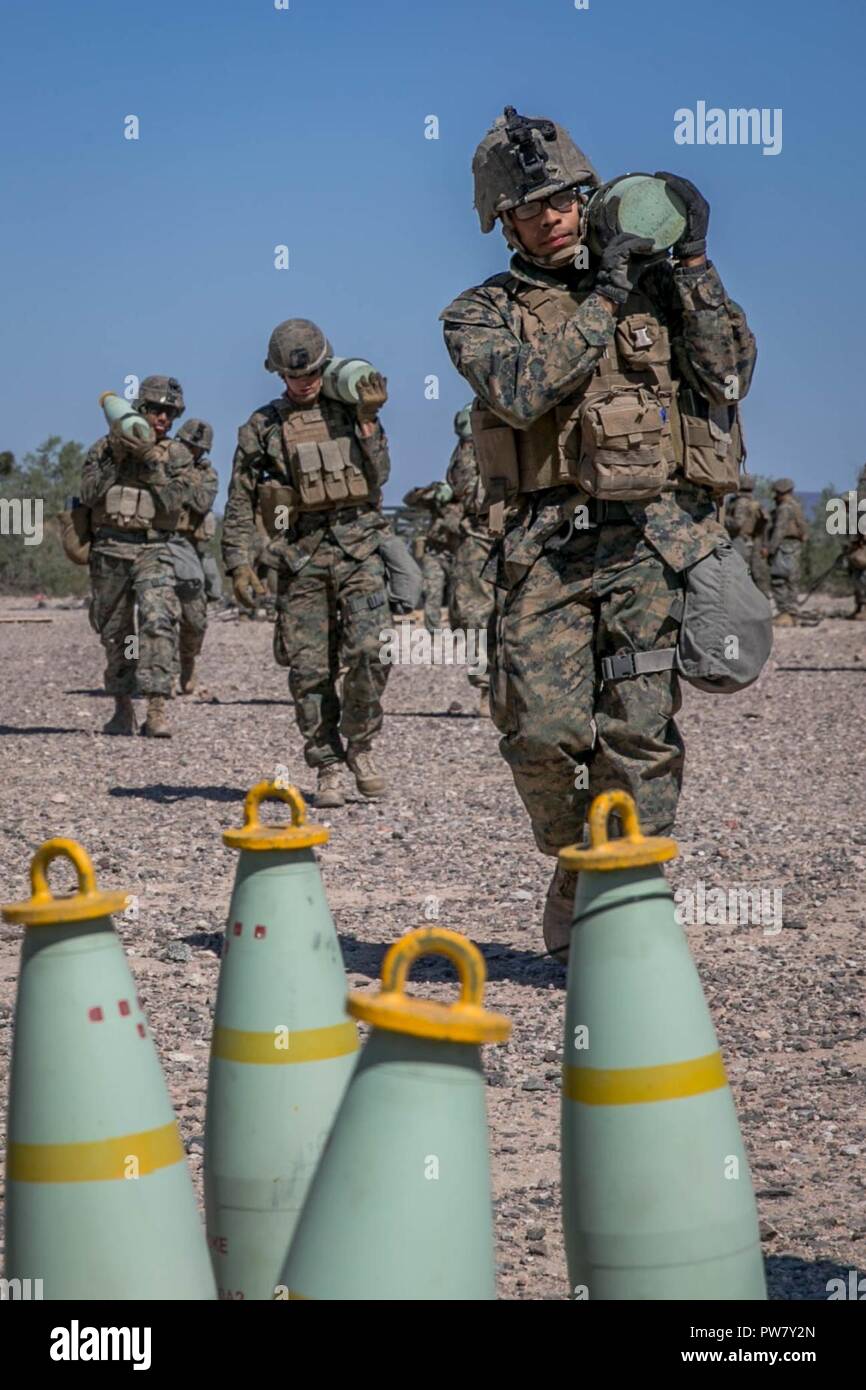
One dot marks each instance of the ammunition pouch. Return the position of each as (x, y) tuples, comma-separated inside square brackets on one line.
[(327, 474), (125, 508), (712, 443), (622, 437), (75, 534)]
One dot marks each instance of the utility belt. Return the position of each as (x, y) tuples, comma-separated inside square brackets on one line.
[(605, 513), (118, 533), (316, 521)]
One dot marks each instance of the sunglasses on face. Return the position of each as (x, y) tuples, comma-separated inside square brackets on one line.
[(562, 202), (154, 409)]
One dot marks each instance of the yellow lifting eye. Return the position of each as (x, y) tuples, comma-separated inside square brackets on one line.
[(465, 1021)]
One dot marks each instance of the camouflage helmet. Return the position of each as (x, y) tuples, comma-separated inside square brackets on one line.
[(783, 485), (297, 348), (747, 483), (522, 159), (462, 426), (197, 433), (161, 390)]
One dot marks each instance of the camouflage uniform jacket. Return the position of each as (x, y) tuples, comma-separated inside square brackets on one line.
[(165, 471), (520, 381), (789, 524), (745, 517), (260, 457)]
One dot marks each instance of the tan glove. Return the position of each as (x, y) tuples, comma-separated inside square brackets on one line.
[(247, 586), (143, 451), (372, 395)]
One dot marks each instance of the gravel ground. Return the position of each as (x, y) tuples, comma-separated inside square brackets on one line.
[(773, 798)]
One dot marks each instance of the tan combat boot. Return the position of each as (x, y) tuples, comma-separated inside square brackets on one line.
[(859, 615), (156, 726), (368, 779), (558, 912), (484, 701), (187, 675), (328, 786), (785, 620), (123, 719)]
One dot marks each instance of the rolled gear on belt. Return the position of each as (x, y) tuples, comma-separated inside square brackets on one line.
[(297, 347), (405, 583), (726, 633), (186, 562)]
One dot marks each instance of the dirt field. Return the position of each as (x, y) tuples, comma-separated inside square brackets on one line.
[(774, 798)]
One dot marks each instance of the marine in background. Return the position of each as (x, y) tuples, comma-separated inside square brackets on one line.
[(314, 467), (784, 545), (136, 492), (435, 554), (197, 527), (472, 596), (746, 524)]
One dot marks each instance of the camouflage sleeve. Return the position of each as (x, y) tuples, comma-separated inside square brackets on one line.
[(710, 338), (239, 535), (99, 472), (202, 487), (462, 470), (165, 473), (375, 450), (521, 381)]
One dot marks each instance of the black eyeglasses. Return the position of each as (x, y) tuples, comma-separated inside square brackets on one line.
[(562, 201)]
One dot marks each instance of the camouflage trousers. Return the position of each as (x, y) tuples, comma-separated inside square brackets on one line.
[(472, 598), (755, 558), (328, 620), (785, 576), (141, 576), (566, 734), (436, 573)]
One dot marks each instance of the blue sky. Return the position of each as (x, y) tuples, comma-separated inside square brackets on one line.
[(306, 127)]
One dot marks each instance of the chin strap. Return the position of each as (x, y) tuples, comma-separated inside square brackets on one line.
[(552, 262)]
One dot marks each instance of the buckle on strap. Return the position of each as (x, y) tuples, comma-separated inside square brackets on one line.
[(618, 667), (625, 664)]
